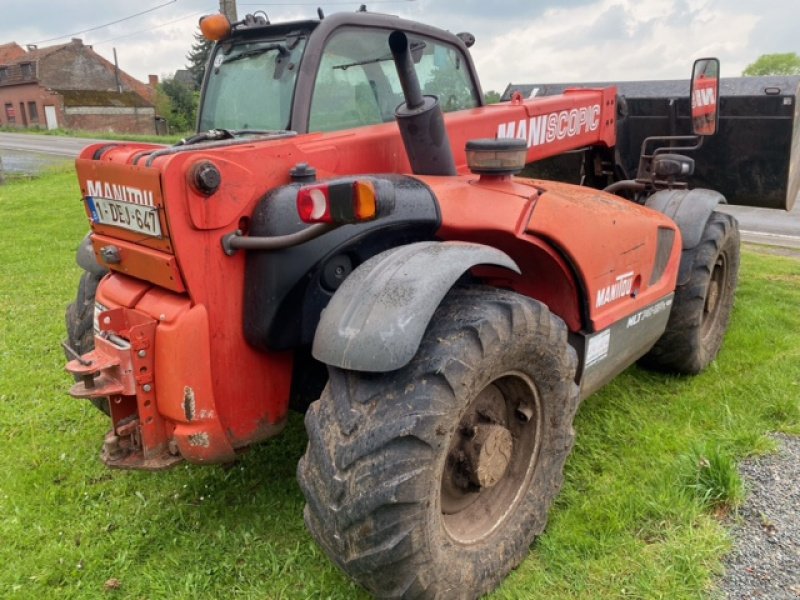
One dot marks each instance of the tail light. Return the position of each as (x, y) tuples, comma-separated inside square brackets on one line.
[(338, 203)]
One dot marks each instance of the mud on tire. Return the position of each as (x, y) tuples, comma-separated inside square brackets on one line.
[(433, 480), (702, 305), (80, 323)]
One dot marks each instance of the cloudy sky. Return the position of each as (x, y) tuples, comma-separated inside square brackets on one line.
[(517, 40)]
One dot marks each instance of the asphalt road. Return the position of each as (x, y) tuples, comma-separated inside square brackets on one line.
[(26, 152), (44, 144), (22, 153), (767, 226)]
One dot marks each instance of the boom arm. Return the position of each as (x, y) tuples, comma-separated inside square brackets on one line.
[(557, 124)]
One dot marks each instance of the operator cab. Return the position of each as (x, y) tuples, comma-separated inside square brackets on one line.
[(327, 75)]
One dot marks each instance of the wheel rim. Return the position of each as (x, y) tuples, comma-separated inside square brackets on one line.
[(715, 295), (491, 459)]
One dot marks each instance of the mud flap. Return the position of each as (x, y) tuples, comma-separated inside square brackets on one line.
[(377, 318)]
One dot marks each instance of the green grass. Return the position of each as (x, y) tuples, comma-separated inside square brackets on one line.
[(710, 474), (103, 135), (628, 523)]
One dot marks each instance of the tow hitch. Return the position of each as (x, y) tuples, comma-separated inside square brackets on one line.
[(120, 368)]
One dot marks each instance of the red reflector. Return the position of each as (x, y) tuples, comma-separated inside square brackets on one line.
[(338, 203)]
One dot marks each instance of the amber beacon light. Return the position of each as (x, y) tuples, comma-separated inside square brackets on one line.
[(215, 27)]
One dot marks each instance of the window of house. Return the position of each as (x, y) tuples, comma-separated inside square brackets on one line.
[(357, 81), (27, 70), (33, 111), (3, 73), (11, 115)]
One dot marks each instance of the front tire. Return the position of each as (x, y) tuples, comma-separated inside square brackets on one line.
[(433, 480), (702, 306)]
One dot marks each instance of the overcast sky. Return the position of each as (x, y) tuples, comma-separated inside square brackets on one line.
[(520, 41)]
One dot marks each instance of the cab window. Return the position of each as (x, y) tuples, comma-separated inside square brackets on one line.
[(357, 82), (251, 85)]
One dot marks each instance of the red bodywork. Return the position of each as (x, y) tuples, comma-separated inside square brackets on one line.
[(209, 391)]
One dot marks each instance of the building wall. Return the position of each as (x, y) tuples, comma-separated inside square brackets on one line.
[(64, 77), (23, 116), (118, 119), (86, 118)]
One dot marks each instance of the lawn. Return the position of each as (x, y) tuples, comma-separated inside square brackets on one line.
[(629, 523), (102, 135)]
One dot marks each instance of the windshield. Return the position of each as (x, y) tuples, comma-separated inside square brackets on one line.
[(357, 82), (251, 85)]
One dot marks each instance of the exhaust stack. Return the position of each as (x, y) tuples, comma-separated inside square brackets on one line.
[(420, 118)]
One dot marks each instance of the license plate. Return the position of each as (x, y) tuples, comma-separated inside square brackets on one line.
[(133, 217)]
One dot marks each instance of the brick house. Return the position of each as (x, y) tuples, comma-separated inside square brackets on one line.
[(72, 86)]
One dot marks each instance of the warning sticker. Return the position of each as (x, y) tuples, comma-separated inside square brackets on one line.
[(597, 347)]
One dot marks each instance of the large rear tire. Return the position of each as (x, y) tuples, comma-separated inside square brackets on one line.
[(702, 306), (80, 323), (433, 480)]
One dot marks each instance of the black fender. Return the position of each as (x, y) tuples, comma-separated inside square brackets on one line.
[(690, 209), (86, 259), (376, 319), (286, 290)]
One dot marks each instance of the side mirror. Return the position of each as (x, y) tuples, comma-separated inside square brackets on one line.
[(705, 96)]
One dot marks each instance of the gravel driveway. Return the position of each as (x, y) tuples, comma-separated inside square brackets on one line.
[(765, 561)]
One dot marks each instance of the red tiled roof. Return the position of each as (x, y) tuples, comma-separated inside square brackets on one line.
[(137, 86), (17, 55), (11, 52), (38, 53)]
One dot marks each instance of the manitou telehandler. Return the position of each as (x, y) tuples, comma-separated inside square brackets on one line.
[(331, 238)]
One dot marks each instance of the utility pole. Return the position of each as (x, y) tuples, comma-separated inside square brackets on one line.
[(228, 8), (116, 72)]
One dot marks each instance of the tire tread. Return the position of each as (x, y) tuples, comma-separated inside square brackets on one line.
[(370, 437)]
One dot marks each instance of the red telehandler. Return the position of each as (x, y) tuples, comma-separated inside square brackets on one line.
[(346, 235)]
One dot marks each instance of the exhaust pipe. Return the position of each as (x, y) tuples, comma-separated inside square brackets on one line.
[(420, 118)]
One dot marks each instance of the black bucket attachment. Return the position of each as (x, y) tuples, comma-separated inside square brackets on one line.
[(753, 160)]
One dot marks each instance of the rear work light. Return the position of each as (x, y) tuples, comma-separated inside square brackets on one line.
[(338, 203), (503, 156)]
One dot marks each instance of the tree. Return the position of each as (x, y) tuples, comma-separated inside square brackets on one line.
[(163, 103), (181, 107), (491, 97), (774, 64), (198, 58)]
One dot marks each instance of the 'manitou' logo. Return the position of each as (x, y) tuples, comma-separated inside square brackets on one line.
[(123, 193), (621, 287)]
